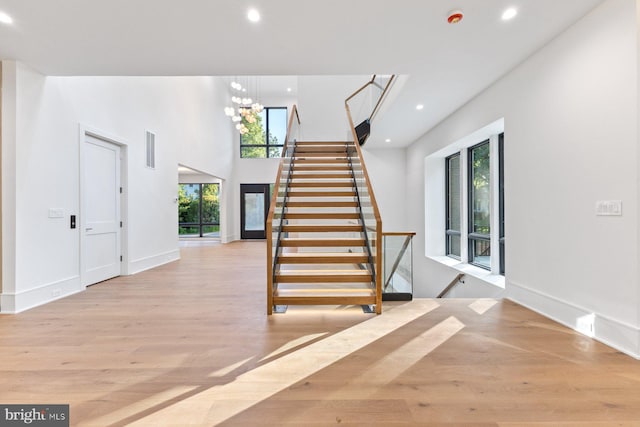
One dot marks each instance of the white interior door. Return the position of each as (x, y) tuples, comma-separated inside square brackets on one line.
[(101, 210)]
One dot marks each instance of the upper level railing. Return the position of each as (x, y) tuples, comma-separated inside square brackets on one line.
[(275, 219), (365, 103)]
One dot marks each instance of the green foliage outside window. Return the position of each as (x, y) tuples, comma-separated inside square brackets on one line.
[(189, 208)]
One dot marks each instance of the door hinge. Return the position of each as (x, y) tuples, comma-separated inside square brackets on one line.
[(120, 258), (120, 190), (120, 224)]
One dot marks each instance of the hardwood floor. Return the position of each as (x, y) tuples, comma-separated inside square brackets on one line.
[(189, 343)]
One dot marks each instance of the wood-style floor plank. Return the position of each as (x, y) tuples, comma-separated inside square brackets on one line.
[(190, 343)]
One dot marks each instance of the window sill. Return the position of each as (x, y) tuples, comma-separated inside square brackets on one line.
[(470, 270)]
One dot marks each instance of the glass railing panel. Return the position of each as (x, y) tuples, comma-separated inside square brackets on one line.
[(277, 210), (368, 211), (398, 264)]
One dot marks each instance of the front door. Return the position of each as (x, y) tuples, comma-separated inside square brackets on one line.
[(254, 208), (101, 210)]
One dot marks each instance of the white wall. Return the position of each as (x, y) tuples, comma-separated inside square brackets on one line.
[(571, 139), (9, 77), (185, 113), (321, 103), (386, 169)]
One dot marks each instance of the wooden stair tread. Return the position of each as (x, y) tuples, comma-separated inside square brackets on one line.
[(321, 194), (322, 228), (323, 258), (342, 161), (320, 168), (293, 299), (321, 149), (321, 215), (322, 242), (321, 184), (305, 143), (321, 176), (327, 204), (323, 276)]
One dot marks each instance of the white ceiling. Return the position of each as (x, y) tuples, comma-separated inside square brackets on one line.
[(446, 64)]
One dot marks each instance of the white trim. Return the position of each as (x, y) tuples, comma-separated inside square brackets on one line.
[(612, 332), (229, 238), (464, 205), (471, 270), (494, 188), (24, 300), (147, 263)]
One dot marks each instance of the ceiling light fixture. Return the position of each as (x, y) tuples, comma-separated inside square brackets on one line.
[(5, 19), (419, 107), (509, 14), (387, 140), (243, 112), (288, 89), (253, 15)]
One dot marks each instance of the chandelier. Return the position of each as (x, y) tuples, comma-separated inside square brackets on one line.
[(243, 111)]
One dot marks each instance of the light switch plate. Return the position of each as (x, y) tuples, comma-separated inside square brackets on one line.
[(56, 213), (609, 208)]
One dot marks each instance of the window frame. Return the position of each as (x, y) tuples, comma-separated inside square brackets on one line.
[(495, 265), (450, 232), (200, 224), (472, 236), (266, 144)]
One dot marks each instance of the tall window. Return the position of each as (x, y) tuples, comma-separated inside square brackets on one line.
[(265, 136), (198, 210), (453, 206), (475, 205), (480, 205)]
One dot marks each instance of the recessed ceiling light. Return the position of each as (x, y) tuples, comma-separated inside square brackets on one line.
[(509, 14), (288, 89), (5, 19), (387, 140), (419, 107), (253, 15)]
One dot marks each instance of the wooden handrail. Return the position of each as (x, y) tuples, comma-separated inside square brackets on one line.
[(385, 91), (361, 89), (274, 199), (453, 283), (398, 233)]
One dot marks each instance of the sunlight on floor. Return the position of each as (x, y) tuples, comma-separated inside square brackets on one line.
[(293, 344), (220, 403), (385, 370), (481, 306)]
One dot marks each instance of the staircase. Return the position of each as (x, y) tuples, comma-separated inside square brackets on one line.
[(319, 248)]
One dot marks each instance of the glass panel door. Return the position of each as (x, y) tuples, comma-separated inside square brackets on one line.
[(198, 210), (254, 207)]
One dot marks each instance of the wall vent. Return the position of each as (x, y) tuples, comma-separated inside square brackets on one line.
[(151, 150)]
